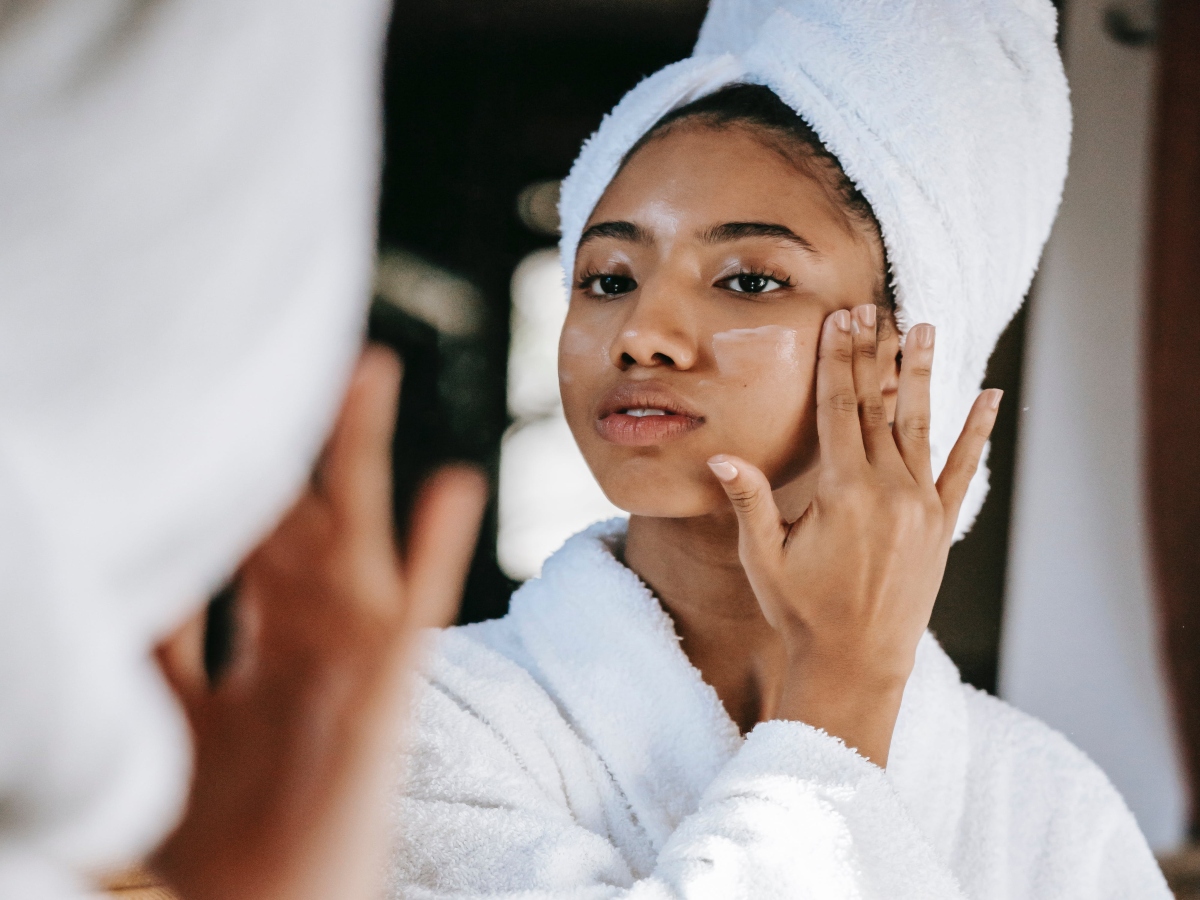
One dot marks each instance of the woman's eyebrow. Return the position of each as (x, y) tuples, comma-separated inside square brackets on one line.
[(733, 231), (622, 231)]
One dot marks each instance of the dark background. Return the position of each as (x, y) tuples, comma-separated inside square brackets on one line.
[(484, 99)]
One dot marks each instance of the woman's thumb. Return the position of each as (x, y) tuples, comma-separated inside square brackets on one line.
[(749, 491)]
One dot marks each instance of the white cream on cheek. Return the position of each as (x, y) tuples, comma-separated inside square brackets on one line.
[(578, 346), (767, 350)]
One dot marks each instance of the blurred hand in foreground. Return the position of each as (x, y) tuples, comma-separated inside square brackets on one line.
[(296, 745)]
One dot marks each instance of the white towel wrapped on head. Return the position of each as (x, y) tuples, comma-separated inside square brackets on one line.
[(951, 117)]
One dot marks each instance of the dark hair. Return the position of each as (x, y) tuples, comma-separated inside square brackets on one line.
[(759, 109)]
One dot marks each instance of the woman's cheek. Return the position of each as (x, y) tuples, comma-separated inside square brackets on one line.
[(582, 357), (768, 374), (771, 351), (767, 368), (582, 347)]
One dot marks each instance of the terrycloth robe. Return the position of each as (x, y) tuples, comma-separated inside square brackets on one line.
[(570, 750)]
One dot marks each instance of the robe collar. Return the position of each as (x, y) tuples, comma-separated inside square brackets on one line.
[(609, 655)]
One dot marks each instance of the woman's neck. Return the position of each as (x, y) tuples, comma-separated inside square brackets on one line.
[(692, 566)]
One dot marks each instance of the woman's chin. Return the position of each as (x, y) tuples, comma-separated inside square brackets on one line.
[(666, 498)]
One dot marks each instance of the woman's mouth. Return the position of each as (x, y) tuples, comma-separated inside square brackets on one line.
[(638, 416), (638, 413)]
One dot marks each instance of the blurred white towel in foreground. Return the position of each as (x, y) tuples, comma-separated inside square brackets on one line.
[(186, 229)]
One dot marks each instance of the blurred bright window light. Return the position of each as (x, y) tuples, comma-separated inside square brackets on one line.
[(547, 492), (539, 306), (537, 206)]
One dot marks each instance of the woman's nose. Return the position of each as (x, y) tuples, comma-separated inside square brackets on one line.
[(655, 333)]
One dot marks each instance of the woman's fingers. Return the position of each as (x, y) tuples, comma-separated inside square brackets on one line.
[(877, 438), (442, 536), (356, 471), (964, 458), (760, 525), (911, 430), (837, 402)]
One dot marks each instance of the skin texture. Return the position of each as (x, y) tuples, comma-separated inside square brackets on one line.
[(796, 538), (296, 746)]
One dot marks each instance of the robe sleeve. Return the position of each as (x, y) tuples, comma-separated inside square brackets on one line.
[(794, 814)]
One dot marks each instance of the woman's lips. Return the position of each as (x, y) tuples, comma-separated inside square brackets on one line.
[(641, 431), (639, 415)]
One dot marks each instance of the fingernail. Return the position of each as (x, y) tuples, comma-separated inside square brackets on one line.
[(841, 319), (866, 314), (924, 335), (723, 469), (994, 396)]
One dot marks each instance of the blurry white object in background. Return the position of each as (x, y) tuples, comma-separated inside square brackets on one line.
[(448, 302), (186, 235), (1080, 647), (539, 307), (547, 492)]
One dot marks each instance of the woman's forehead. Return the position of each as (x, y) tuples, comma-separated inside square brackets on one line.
[(695, 177)]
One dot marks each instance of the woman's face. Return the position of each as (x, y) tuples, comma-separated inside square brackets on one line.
[(700, 286)]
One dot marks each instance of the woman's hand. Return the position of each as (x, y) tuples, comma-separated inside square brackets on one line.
[(850, 585), (296, 745)]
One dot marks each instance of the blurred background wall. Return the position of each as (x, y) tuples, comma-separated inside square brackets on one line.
[(486, 107), (1172, 392)]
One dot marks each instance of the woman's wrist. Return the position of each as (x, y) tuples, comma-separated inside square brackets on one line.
[(857, 706)]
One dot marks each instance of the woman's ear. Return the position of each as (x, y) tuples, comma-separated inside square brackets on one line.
[(888, 360)]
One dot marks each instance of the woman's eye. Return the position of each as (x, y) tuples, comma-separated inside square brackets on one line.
[(749, 283), (610, 285)]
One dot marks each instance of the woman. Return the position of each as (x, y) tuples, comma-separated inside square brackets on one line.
[(735, 696)]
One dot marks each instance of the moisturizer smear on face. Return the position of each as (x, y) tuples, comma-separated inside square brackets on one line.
[(580, 344), (747, 351)]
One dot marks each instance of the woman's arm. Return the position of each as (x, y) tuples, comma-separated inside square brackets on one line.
[(505, 799)]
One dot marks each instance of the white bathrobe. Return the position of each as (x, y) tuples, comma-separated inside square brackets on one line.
[(571, 750)]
